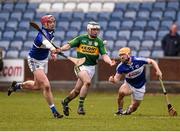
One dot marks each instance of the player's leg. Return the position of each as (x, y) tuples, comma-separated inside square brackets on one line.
[(124, 90), (73, 94), (86, 79), (137, 97), (43, 83)]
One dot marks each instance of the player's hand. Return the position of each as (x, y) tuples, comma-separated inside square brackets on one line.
[(159, 74), (58, 50), (113, 62), (111, 79)]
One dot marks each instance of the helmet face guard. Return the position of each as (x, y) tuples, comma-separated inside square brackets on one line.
[(93, 29), (48, 22), (124, 54)]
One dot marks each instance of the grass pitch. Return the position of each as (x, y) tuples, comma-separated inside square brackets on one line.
[(28, 111)]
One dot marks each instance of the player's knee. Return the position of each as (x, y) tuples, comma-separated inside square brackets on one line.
[(87, 83), (77, 92)]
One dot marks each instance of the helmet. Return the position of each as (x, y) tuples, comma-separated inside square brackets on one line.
[(125, 50), (47, 18), (93, 25)]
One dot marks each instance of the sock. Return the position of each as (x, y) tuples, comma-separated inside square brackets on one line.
[(67, 100), (53, 108), (18, 86), (120, 109), (81, 101)]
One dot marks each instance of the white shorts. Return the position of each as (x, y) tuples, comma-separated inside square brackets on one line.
[(37, 64), (90, 70), (138, 94)]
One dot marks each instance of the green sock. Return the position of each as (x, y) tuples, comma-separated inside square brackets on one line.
[(81, 101), (67, 100)]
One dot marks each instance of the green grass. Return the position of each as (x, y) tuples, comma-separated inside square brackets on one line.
[(28, 111)]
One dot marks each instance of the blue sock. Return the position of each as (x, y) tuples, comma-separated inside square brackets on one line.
[(18, 86), (53, 108)]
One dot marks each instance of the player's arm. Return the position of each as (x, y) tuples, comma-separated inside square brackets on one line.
[(116, 78), (107, 59), (156, 67)]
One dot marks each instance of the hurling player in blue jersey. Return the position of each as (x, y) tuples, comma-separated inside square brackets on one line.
[(132, 68), (38, 63)]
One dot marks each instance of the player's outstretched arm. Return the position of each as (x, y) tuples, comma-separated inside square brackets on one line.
[(156, 67), (107, 59)]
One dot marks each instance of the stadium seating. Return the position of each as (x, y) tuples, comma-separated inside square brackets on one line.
[(139, 25)]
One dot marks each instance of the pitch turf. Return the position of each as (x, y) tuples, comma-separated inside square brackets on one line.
[(28, 111)]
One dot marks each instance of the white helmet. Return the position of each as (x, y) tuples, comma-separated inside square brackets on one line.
[(93, 25)]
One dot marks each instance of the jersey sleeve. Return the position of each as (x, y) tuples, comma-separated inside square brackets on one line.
[(74, 42), (38, 40), (102, 48), (119, 69)]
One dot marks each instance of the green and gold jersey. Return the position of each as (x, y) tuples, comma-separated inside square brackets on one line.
[(89, 48)]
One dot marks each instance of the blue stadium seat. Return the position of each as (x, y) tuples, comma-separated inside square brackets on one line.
[(116, 16), (71, 34), (134, 52), (24, 25), (38, 15), (110, 35), (138, 34), (134, 44), (170, 14), (110, 45), (66, 16), (147, 45), (78, 16), (63, 25), (143, 14), (173, 5), (32, 35), (8, 7), (130, 14), (103, 24), (73, 53), (11, 25), (114, 25), (114, 54), (4, 15), (157, 54), (124, 33), (28, 16), (32, 6), (59, 35), (141, 24), (104, 16), (28, 44), (160, 5), (91, 16), (151, 34), (16, 16), (133, 6), (157, 45), (75, 25), (166, 24), (162, 33), (21, 35), (120, 7), (23, 54), (154, 24), (127, 24), (146, 6), (157, 14), (4, 44), (12, 54), (144, 53), (120, 43), (20, 7), (16, 45), (8, 35), (2, 25)]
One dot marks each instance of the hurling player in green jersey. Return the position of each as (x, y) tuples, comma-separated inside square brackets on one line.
[(89, 46)]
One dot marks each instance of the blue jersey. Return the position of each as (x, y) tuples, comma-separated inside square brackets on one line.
[(41, 53), (134, 72)]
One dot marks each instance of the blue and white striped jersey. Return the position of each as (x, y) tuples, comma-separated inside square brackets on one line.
[(134, 72), (41, 53)]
